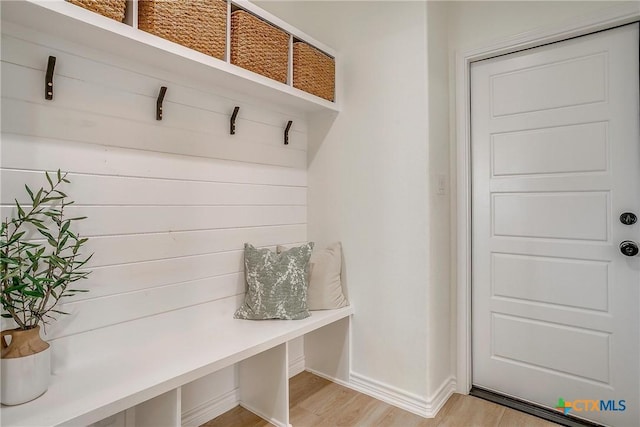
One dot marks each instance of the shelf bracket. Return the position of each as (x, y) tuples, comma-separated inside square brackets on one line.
[(163, 91), (48, 80), (232, 122), (286, 132)]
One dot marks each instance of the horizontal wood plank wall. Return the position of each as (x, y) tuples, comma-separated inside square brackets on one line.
[(169, 203)]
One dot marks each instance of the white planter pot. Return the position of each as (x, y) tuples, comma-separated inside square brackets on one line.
[(25, 378)]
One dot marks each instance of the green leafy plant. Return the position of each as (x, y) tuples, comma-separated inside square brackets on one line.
[(40, 256)]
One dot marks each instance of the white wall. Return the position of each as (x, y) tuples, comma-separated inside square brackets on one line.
[(367, 188), (439, 344), (476, 23), (169, 203), (373, 176), (370, 187)]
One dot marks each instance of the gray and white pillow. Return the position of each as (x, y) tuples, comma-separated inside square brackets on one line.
[(276, 283)]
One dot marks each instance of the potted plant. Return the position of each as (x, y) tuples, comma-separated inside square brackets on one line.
[(39, 258)]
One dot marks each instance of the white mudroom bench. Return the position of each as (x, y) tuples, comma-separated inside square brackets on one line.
[(143, 364)]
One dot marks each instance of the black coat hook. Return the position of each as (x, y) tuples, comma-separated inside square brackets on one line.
[(163, 91), (48, 80), (286, 132), (232, 123)]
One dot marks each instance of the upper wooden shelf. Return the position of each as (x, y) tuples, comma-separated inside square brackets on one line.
[(62, 19)]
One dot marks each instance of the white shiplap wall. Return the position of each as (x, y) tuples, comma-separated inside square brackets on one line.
[(169, 203)]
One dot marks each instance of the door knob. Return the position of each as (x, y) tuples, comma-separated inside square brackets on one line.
[(629, 248)]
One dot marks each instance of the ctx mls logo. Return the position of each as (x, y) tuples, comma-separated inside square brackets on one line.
[(588, 405), (563, 406)]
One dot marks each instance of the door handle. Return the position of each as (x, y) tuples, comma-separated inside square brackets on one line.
[(629, 248)]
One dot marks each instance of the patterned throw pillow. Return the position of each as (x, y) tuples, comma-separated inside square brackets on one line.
[(276, 283)]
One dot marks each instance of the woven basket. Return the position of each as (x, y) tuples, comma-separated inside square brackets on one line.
[(259, 46), (113, 9), (197, 24), (313, 71)]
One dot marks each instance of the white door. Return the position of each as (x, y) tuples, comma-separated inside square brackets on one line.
[(556, 161)]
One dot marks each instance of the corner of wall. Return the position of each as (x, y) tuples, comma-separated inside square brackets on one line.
[(439, 366), (440, 396)]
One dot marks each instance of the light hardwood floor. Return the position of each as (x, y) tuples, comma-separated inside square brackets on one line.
[(316, 402)]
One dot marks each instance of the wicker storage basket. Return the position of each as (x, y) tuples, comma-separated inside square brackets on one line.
[(113, 9), (313, 71), (197, 24), (259, 46)]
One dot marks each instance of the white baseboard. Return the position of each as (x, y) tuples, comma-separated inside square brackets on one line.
[(413, 403), (296, 366), (211, 409), (440, 397), (390, 394), (330, 378), (264, 416)]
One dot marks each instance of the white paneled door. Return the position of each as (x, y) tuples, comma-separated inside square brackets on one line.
[(556, 162)]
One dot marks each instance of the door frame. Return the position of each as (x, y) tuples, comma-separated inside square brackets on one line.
[(601, 20)]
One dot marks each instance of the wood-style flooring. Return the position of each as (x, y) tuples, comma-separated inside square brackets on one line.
[(316, 402)]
